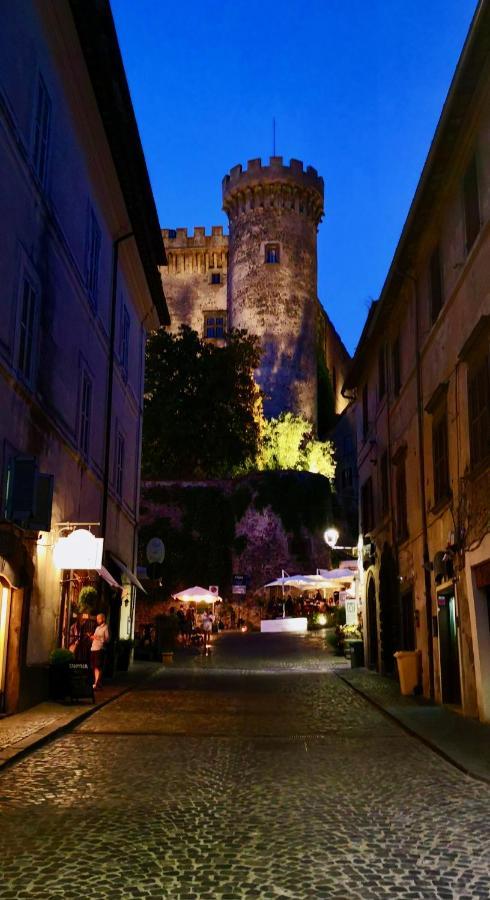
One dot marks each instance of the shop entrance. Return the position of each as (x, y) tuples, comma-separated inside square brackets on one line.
[(372, 624), (5, 595), (448, 647)]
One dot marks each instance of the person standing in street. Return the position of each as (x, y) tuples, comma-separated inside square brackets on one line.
[(100, 639), (207, 626)]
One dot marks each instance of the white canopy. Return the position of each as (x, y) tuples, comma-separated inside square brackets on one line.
[(327, 579), (196, 594), (337, 574)]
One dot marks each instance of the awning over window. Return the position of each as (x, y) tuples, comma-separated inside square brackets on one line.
[(127, 576), (103, 572)]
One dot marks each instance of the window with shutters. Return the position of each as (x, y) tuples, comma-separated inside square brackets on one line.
[(479, 408), (396, 367), (436, 290), (384, 479), (365, 412), (381, 373), (94, 239), (42, 124), (401, 502), (215, 325), (26, 344), (440, 457), (119, 464), (85, 412), (367, 505), (471, 204), (124, 341)]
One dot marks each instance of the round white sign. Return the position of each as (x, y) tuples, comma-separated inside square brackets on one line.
[(155, 550)]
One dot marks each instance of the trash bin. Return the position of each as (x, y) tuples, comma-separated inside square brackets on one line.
[(408, 663), (356, 654)]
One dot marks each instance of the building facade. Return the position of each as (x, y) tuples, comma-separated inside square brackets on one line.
[(80, 250), (421, 376), (262, 277)]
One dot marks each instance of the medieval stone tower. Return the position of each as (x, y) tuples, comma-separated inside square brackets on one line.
[(263, 277), (274, 211)]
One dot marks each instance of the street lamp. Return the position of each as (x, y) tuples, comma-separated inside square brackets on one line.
[(331, 537)]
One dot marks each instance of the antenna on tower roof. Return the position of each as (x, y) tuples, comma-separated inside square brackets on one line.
[(273, 135)]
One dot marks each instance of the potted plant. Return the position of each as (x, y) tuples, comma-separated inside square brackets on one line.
[(59, 682)]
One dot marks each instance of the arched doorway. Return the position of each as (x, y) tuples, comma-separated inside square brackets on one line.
[(372, 626)]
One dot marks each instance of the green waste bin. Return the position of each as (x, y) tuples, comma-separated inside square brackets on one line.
[(356, 654)]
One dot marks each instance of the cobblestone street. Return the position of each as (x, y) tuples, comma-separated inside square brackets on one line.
[(217, 778)]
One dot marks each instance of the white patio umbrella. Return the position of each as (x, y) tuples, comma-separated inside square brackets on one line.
[(337, 574), (196, 594)]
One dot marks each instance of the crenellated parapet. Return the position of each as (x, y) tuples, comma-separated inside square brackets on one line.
[(181, 238), (195, 253), (276, 185)]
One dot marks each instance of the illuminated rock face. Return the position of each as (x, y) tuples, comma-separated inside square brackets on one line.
[(274, 212)]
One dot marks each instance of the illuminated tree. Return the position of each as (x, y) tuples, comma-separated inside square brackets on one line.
[(289, 442)]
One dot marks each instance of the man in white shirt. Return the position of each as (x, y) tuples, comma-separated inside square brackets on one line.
[(100, 638)]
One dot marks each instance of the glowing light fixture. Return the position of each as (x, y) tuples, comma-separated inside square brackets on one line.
[(331, 537)]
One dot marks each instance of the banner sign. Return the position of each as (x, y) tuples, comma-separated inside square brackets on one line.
[(239, 585)]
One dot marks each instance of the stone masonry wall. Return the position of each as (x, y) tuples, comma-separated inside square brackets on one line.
[(277, 206)]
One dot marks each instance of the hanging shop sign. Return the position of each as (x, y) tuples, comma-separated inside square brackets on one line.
[(350, 612), (80, 550)]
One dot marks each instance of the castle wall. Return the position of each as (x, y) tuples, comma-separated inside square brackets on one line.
[(335, 356), (195, 262), (216, 277), (277, 207)]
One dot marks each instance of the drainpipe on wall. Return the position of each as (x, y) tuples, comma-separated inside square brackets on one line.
[(423, 499), (110, 382)]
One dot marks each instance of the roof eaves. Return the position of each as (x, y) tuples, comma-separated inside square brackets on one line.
[(98, 40)]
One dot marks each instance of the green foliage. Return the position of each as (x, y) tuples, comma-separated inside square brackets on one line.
[(88, 600), (201, 544), (60, 656), (289, 443), (302, 501), (199, 552), (201, 400)]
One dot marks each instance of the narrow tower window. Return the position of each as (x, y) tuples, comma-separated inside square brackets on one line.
[(272, 253)]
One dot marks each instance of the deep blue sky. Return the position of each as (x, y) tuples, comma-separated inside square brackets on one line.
[(356, 89)]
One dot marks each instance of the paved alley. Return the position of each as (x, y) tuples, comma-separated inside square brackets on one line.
[(255, 772)]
